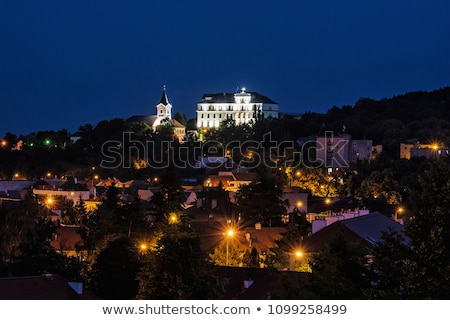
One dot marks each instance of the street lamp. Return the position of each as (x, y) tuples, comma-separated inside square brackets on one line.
[(173, 218), (293, 256), (399, 210), (228, 234)]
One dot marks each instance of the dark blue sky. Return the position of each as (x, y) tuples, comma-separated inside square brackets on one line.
[(68, 63)]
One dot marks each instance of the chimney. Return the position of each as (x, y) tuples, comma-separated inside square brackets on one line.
[(76, 286), (248, 283)]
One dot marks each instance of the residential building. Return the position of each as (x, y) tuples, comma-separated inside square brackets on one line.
[(243, 107), (409, 150), (321, 221), (68, 194), (338, 151), (405, 150), (366, 230), (376, 151), (231, 181)]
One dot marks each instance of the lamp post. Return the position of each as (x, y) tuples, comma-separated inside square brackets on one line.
[(399, 210), (228, 234), (293, 257)]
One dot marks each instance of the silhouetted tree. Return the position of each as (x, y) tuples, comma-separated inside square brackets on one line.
[(115, 269), (178, 269)]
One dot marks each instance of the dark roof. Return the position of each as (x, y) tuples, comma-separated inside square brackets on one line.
[(146, 119), (45, 287), (211, 231), (9, 185), (263, 282), (366, 230), (226, 97), (164, 99), (245, 176), (370, 227)]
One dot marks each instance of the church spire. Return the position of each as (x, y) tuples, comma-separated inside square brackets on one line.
[(163, 109), (164, 99)]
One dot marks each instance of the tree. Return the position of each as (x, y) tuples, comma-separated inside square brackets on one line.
[(114, 272), (339, 271), (169, 198), (428, 269), (178, 269), (251, 259), (315, 181), (297, 229), (219, 256), (261, 200), (15, 223), (37, 256), (180, 117), (389, 265)]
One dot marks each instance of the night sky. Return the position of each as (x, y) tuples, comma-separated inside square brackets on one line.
[(69, 63)]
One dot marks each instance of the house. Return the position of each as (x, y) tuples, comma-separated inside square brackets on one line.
[(254, 283), (126, 189), (243, 107), (68, 194), (366, 230), (413, 148), (43, 287), (230, 180), (338, 151)]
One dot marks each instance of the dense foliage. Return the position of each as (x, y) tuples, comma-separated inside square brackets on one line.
[(174, 265)]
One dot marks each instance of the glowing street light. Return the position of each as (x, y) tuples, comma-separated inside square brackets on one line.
[(399, 210), (143, 247), (228, 235), (293, 256), (49, 201), (173, 218)]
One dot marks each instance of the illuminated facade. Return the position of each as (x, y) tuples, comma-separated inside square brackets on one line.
[(242, 107), (163, 112)]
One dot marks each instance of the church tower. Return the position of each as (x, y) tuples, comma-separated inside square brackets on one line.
[(164, 108)]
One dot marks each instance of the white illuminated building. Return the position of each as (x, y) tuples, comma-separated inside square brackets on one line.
[(242, 107)]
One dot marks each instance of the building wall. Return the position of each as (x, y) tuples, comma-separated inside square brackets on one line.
[(70, 195), (333, 151), (338, 151), (405, 150), (361, 150), (243, 109)]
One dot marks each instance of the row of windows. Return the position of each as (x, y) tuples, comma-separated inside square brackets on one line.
[(216, 123), (234, 116), (229, 108)]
